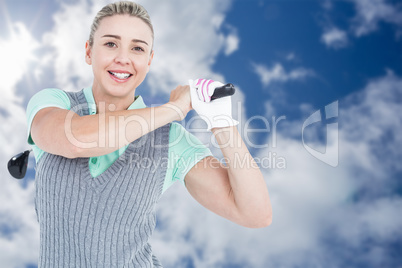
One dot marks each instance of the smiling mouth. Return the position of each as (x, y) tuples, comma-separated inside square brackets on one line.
[(120, 75)]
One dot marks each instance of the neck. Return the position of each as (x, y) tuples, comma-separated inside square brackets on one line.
[(108, 103)]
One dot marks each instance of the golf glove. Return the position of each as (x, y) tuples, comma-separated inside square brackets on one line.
[(217, 113)]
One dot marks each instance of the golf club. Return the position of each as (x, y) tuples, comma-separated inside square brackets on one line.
[(17, 166)]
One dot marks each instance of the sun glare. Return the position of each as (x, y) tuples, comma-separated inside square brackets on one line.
[(18, 50), (16, 53)]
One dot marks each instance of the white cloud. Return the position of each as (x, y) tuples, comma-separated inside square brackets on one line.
[(379, 116), (17, 58), (368, 16), (17, 215), (335, 38), (327, 4), (232, 40), (290, 56), (232, 44), (278, 74), (20, 246), (187, 45), (371, 13), (65, 45)]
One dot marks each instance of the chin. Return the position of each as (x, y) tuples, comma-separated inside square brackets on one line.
[(120, 93)]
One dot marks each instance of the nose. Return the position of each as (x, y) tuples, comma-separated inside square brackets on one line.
[(122, 57)]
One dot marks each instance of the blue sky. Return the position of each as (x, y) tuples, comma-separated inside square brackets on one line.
[(335, 189)]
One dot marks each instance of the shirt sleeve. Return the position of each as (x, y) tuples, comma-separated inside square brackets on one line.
[(50, 97), (185, 150)]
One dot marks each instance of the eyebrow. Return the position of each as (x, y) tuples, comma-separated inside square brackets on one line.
[(119, 38)]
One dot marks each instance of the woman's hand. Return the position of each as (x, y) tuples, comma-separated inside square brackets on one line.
[(216, 114), (180, 100)]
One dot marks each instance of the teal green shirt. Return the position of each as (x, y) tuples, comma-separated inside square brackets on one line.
[(185, 150)]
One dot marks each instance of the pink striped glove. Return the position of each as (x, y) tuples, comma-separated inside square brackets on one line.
[(217, 113)]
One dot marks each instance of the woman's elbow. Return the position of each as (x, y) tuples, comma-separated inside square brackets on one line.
[(267, 221), (260, 221), (264, 217), (263, 222)]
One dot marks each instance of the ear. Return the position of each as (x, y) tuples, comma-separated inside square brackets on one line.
[(150, 60), (88, 53)]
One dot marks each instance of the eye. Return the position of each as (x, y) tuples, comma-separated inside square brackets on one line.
[(140, 49), (110, 44)]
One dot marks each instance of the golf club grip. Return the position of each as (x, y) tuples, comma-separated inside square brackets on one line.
[(223, 91)]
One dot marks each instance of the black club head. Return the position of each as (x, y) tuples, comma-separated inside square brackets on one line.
[(17, 166)]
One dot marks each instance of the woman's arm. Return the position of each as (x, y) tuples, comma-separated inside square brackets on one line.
[(236, 192), (63, 132)]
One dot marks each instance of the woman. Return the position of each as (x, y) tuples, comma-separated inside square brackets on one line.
[(104, 158)]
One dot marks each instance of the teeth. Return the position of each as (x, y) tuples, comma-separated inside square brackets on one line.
[(121, 75)]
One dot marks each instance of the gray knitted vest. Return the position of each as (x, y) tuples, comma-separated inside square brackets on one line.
[(104, 221)]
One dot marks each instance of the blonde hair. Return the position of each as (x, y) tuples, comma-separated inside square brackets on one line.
[(121, 8)]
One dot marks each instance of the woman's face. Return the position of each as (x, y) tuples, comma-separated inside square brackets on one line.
[(120, 56)]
